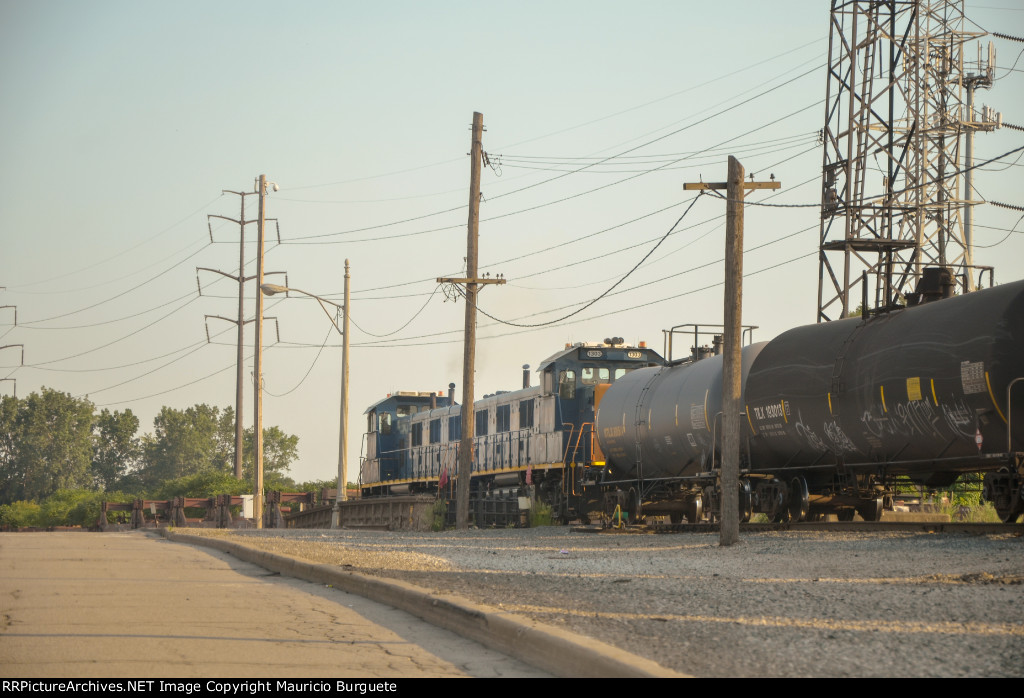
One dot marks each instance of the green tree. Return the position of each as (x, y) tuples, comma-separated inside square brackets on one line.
[(46, 445), (116, 451), (280, 450), (11, 480), (226, 441), (184, 442)]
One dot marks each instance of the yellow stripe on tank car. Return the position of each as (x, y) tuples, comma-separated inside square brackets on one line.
[(830, 403), (935, 399), (752, 429), (994, 403), (782, 404), (881, 391), (706, 410)]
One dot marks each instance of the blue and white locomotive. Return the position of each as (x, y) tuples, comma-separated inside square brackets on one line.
[(539, 436)]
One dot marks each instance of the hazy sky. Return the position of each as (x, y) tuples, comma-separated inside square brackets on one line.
[(123, 121)]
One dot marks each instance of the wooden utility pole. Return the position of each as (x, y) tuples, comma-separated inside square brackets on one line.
[(732, 367), (257, 427), (343, 432), (469, 353)]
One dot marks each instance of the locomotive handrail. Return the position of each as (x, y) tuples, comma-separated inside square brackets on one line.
[(576, 448)]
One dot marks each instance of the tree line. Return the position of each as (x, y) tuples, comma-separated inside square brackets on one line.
[(53, 443)]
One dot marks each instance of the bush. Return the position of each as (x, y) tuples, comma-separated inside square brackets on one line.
[(540, 515), (440, 515), (19, 515), (76, 507), (207, 483)]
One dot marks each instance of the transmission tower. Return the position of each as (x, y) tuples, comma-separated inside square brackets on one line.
[(893, 196)]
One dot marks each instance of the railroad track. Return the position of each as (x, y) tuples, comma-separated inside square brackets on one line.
[(836, 526)]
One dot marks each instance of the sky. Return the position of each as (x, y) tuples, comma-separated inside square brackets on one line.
[(124, 122)]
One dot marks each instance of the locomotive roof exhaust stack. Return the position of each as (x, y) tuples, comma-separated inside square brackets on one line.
[(451, 394), (526, 376)]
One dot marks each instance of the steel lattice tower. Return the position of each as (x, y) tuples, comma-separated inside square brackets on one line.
[(892, 168)]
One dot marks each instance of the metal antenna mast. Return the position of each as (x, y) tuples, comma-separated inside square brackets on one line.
[(892, 197)]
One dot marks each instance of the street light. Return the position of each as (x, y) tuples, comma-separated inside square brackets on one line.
[(271, 289)]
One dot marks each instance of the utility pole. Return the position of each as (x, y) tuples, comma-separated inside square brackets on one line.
[(732, 366), (14, 346), (15, 309), (257, 427), (241, 279), (343, 430), (240, 321), (469, 353)]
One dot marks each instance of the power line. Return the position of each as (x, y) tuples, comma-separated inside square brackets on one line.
[(319, 237), (610, 289), (79, 270)]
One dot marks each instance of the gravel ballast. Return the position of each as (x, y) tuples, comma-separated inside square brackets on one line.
[(777, 604)]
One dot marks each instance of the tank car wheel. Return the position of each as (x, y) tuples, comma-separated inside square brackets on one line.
[(799, 499), (746, 502), (1009, 516), (695, 509), (1011, 512), (998, 489), (871, 509)]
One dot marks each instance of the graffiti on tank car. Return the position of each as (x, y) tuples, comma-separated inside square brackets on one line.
[(918, 417), (960, 419), (878, 425), (841, 442), (808, 435)]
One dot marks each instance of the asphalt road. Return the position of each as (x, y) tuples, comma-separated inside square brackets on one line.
[(81, 605)]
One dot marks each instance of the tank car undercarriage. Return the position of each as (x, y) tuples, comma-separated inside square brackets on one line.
[(809, 495)]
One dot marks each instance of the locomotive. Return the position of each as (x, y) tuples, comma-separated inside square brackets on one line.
[(532, 444), (833, 414)]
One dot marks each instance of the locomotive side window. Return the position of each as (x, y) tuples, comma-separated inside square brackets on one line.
[(455, 428), (620, 372), (435, 431), (385, 423), (417, 434), (567, 385), (504, 415), (481, 423), (525, 414)]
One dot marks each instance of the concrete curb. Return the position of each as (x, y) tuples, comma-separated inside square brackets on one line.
[(555, 650)]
